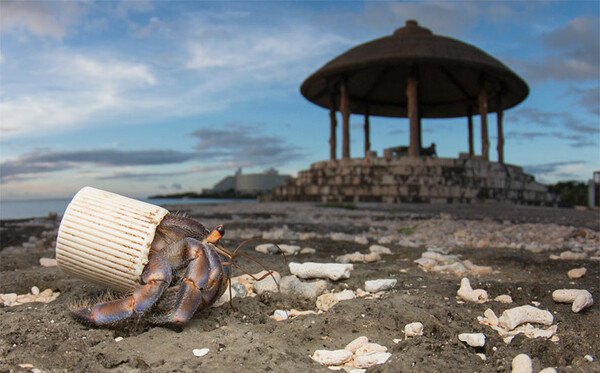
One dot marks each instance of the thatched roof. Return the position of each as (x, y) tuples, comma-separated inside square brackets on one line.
[(449, 73)]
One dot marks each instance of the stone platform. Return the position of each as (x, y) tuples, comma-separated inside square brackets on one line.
[(419, 179)]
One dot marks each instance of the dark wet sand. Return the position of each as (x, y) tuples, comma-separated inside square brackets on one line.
[(45, 337)]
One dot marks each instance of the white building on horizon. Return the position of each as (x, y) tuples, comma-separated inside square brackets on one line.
[(250, 183)]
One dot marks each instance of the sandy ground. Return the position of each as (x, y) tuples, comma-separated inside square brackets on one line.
[(44, 337)]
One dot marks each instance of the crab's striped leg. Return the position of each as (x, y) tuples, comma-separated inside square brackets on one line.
[(203, 283), (156, 277)]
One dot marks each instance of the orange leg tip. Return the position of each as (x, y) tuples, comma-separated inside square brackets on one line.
[(215, 235)]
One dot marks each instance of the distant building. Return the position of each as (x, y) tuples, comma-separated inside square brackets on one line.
[(250, 183)]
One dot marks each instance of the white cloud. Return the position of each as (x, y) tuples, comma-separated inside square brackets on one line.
[(551, 173), (38, 17), (572, 53), (43, 113), (109, 72), (76, 90), (258, 62), (262, 50)]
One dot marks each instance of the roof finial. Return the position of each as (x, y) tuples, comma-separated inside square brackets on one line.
[(412, 28)]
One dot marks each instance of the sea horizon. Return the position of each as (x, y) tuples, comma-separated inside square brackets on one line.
[(39, 208)]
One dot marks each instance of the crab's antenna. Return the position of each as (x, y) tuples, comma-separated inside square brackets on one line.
[(232, 255), (235, 252), (230, 295)]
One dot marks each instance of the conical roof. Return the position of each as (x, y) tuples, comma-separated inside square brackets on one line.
[(449, 73)]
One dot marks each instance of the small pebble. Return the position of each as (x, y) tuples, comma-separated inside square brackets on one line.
[(356, 344), (361, 240), (576, 273), (589, 358), (289, 249), (35, 290), (504, 298), (369, 348), (118, 339), (569, 255), (280, 315), (473, 339), (267, 284), (384, 241), (199, 352), (381, 250), (308, 251), (47, 293), (413, 329), (335, 357), (293, 287), (522, 364), (48, 262), (366, 361), (266, 248), (374, 286)]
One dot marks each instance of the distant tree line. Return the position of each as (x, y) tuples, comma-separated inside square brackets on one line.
[(571, 193)]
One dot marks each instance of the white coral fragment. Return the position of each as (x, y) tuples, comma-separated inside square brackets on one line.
[(335, 357), (413, 329), (356, 356), (13, 299), (436, 260), (373, 286), (328, 300), (332, 271), (473, 339), (356, 344), (580, 298), (466, 292), (366, 361), (514, 317)]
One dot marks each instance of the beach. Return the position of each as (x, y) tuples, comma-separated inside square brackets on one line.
[(521, 252)]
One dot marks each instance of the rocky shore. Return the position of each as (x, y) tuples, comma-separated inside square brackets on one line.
[(402, 289)]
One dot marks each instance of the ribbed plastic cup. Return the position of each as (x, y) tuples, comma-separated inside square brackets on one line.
[(105, 238)]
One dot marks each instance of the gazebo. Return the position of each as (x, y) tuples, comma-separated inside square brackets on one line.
[(416, 74)]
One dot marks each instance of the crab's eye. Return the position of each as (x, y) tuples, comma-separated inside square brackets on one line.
[(221, 230)]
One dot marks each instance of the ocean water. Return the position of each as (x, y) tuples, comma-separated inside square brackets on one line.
[(42, 207)]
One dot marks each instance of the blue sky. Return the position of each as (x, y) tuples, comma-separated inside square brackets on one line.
[(144, 97)]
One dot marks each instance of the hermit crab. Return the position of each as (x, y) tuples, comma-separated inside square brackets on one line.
[(184, 268)]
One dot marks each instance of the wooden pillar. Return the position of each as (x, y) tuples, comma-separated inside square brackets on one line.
[(420, 130), (333, 126), (414, 148), (483, 110), (345, 109), (367, 132), (470, 124), (500, 115)]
